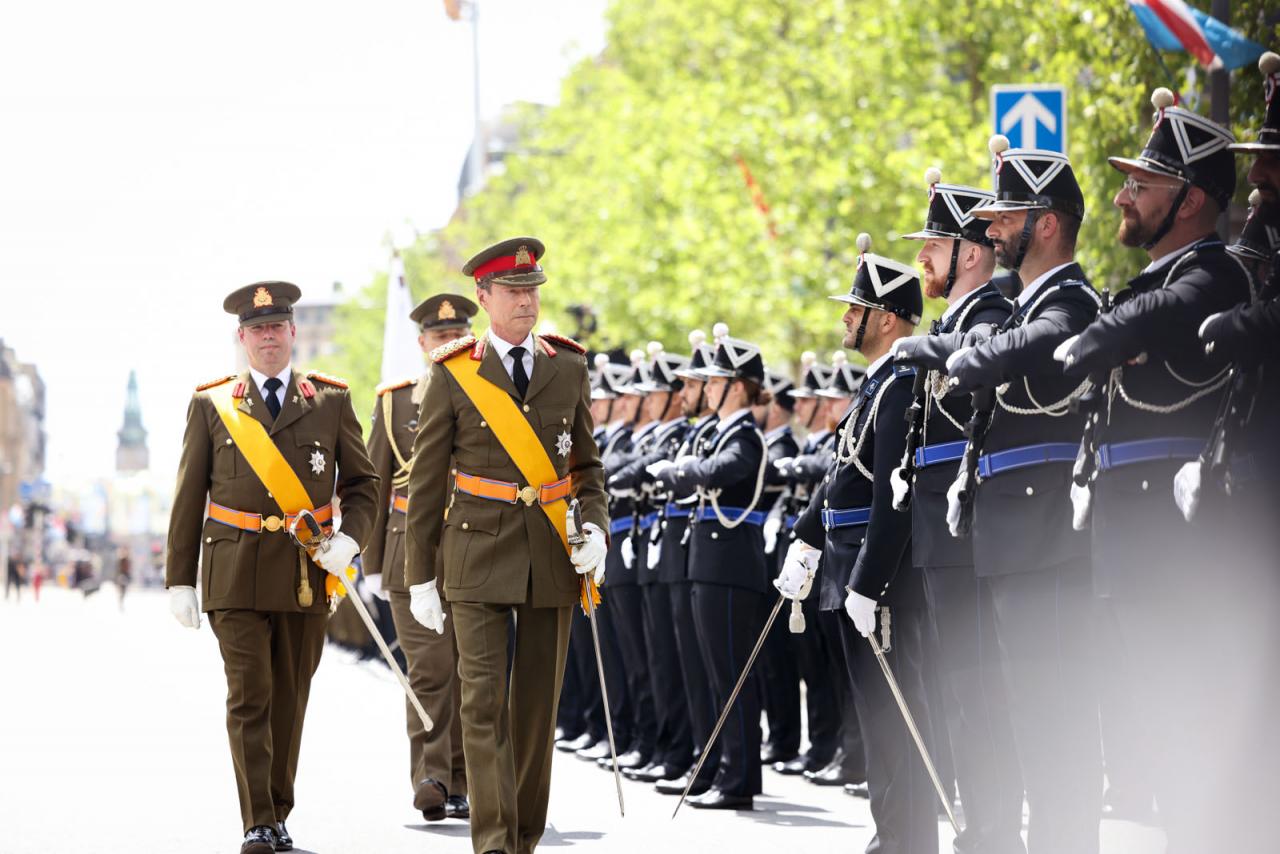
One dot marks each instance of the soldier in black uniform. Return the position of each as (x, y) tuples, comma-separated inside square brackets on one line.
[(958, 259), (1036, 564), (1163, 394), (864, 542), (726, 559), (673, 565), (659, 440), (778, 673)]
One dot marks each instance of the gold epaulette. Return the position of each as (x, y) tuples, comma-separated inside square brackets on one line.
[(454, 347), (395, 384), (328, 380), (213, 383), (565, 341)]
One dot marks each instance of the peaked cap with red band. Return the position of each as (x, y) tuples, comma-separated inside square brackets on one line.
[(512, 262)]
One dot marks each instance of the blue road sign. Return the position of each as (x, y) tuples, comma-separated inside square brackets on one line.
[(1032, 115)]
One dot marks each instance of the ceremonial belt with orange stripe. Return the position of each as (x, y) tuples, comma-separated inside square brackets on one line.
[(515, 434), (399, 503), (510, 493), (256, 522)]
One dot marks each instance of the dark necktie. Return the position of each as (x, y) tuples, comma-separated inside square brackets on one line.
[(273, 402), (518, 376)]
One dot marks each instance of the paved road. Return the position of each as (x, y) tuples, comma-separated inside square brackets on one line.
[(112, 739)]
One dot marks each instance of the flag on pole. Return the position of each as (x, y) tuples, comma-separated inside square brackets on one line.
[(1173, 25), (401, 355)]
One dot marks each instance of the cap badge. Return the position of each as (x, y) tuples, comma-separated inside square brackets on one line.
[(523, 256), (262, 297), (446, 311)]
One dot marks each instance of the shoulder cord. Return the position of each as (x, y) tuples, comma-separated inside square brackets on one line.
[(931, 382), (1058, 408), (844, 452), (714, 494), (401, 476)]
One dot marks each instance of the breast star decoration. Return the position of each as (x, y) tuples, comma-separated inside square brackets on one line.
[(563, 443), (317, 462)]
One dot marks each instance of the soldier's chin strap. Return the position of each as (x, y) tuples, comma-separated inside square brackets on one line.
[(724, 394), (951, 271), (1167, 223), (862, 329), (1024, 240)]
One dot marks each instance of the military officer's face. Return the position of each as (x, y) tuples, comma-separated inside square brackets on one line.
[(833, 409), (1265, 175), (725, 394), (1144, 201), (935, 259), (512, 311), (805, 407), (600, 410), (871, 335), (429, 339), (691, 398), (1006, 231), (268, 346), (626, 408), (655, 406)]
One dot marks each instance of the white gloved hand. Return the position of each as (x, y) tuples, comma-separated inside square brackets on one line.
[(898, 483), (661, 469), (685, 460), (953, 503), (373, 583), (782, 465), (589, 557), (862, 611), (904, 345), (955, 357), (1060, 352), (1205, 325), (424, 604), (628, 553), (1081, 505), (336, 554), (1186, 489), (653, 554), (798, 568), (183, 606), (772, 526)]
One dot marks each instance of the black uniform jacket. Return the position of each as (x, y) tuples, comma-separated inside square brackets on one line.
[(1022, 517), (658, 441), (873, 559), (614, 454), (731, 462)]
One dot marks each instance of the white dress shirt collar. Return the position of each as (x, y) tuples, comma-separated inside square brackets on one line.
[(960, 303), (1168, 258), (1028, 293), (504, 352), (260, 380), (875, 366), (732, 418)]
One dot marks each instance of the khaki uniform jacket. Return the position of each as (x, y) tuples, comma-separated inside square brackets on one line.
[(385, 553), (320, 437), (487, 550)]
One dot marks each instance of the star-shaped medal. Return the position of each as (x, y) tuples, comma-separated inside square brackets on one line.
[(563, 443), (317, 462)]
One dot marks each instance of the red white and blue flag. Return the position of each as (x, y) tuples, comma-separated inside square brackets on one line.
[(1174, 25)]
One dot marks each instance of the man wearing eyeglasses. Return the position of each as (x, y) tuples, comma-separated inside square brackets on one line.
[(1166, 579)]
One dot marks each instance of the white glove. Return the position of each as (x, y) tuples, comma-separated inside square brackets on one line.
[(424, 604), (685, 460), (954, 357), (902, 344), (373, 583), (898, 483), (1060, 352), (782, 465), (336, 554), (183, 606), (798, 569), (628, 553), (653, 554), (1186, 489), (862, 611), (661, 469), (953, 502), (589, 557), (1205, 325), (1081, 504), (772, 526)]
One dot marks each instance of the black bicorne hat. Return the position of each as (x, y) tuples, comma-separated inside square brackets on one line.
[(611, 376), (1260, 238), (1031, 179), (1269, 136), (779, 387), (734, 358), (662, 370), (950, 212), (813, 376), (703, 355), (885, 284), (846, 377)]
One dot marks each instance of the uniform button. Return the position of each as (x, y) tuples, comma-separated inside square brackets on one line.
[(453, 471), (269, 495), (525, 407), (664, 526), (465, 526), (1145, 485), (1030, 491), (317, 443), (826, 503), (861, 540), (564, 420), (484, 424), (208, 539), (715, 535), (228, 441)]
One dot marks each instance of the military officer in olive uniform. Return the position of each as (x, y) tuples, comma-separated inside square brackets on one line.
[(480, 533), (437, 771), (265, 598)]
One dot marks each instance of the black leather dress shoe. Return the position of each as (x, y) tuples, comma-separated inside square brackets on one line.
[(284, 842), (676, 786), (857, 790), (771, 754), (630, 760), (430, 797), (795, 766), (573, 745), (595, 752), (457, 807), (259, 840), (654, 773), (714, 799)]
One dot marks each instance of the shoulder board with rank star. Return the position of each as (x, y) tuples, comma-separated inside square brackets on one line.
[(213, 383), (326, 379), (454, 347), (564, 341), (395, 384)]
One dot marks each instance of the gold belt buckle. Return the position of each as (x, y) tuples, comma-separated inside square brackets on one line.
[(528, 495), (273, 523)]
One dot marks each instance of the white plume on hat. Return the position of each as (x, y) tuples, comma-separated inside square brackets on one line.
[(933, 175), (720, 330), (998, 144), (839, 359), (807, 358), (654, 348), (602, 359), (1163, 97), (1269, 63), (697, 338)]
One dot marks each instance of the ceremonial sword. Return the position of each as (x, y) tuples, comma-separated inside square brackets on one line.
[(724, 715), (574, 536), (315, 541)]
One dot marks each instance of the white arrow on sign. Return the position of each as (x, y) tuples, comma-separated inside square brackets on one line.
[(1027, 112)]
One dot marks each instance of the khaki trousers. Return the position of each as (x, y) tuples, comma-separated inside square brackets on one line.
[(433, 675), (269, 658), (509, 729)]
